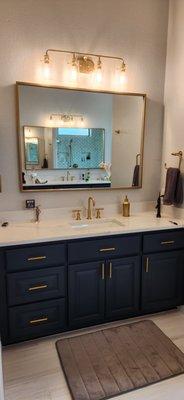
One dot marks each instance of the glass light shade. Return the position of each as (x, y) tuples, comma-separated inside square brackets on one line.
[(98, 75), (119, 79), (73, 73), (46, 70), (122, 78)]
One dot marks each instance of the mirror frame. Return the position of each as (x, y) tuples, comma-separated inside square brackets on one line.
[(143, 95)]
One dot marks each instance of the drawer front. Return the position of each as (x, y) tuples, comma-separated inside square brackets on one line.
[(39, 319), (35, 257), (163, 241), (31, 286), (103, 248)]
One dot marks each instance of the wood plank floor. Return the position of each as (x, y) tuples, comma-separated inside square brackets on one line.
[(32, 370)]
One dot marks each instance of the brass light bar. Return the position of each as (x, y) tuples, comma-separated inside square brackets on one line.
[(86, 64)]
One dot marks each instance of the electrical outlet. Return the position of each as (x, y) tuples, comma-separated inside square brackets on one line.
[(30, 203)]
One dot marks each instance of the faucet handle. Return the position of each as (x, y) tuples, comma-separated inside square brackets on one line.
[(77, 214), (98, 212)]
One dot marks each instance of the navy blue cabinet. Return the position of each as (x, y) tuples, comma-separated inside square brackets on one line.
[(103, 290), (162, 280), (52, 287), (39, 319), (86, 293), (123, 287), (31, 286)]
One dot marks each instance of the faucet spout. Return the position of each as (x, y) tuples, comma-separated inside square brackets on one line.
[(37, 213), (91, 204)]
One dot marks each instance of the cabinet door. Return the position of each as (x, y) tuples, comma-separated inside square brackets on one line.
[(86, 293), (123, 287), (162, 280)]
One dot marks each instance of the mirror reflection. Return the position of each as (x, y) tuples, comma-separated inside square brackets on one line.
[(77, 139), (63, 148)]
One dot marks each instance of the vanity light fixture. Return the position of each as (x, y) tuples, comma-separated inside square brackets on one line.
[(87, 63), (69, 119), (46, 66), (74, 69), (99, 71), (122, 75)]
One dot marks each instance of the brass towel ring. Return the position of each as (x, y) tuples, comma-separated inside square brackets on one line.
[(177, 154)]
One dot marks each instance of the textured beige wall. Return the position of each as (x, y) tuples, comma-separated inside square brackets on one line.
[(174, 87), (135, 29)]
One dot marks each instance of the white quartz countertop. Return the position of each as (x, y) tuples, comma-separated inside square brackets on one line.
[(17, 233)]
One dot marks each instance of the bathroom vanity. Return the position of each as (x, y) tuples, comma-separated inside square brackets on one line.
[(51, 286)]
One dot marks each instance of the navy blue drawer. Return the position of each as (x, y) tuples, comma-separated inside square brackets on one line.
[(156, 242), (35, 257), (103, 248), (31, 286), (39, 319)]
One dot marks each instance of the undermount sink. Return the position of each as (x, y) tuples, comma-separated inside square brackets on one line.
[(84, 224), (107, 223)]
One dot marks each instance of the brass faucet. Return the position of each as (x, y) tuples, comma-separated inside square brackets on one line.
[(37, 213), (89, 210)]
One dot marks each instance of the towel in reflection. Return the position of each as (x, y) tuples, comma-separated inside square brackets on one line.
[(173, 188), (135, 181)]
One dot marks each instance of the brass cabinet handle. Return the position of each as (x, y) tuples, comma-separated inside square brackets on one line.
[(108, 249), (147, 265), (103, 271), (37, 321), (37, 287), (168, 242), (110, 270), (36, 258)]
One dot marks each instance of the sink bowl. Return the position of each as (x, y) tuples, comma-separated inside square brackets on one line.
[(85, 224), (102, 223)]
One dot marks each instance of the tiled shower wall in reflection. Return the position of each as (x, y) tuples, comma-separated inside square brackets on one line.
[(80, 151)]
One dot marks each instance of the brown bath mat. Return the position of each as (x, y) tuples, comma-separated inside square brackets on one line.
[(117, 360)]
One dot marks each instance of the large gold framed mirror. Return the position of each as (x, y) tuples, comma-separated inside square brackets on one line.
[(79, 139)]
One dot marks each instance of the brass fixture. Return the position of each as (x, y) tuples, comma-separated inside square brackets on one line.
[(126, 207), (39, 287), (83, 62), (110, 270), (108, 249), (103, 271), (67, 118), (98, 212), (137, 158), (37, 213), (86, 64), (37, 321), (36, 258), (168, 242), (147, 265), (77, 214), (90, 210), (177, 154)]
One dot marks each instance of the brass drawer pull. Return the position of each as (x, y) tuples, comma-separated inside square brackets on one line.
[(108, 249), (103, 271), (37, 321), (36, 258), (37, 287), (110, 270), (168, 242), (147, 265)]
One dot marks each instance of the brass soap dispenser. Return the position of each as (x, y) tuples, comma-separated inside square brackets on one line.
[(126, 207)]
